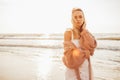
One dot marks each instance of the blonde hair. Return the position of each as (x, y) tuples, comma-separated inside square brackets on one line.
[(76, 9)]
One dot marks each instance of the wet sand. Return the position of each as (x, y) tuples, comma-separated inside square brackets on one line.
[(46, 64), (14, 67)]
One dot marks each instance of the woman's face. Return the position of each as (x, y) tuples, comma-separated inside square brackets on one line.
[(78, 19)]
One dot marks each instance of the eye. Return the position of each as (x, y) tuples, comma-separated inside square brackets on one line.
[(75, 17), (80, 16)]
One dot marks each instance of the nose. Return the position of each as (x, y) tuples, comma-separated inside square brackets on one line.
[(78, 19)]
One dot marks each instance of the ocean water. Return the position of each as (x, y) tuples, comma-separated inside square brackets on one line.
[(40, 56)]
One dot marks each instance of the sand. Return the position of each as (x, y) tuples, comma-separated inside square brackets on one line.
[(46, 64)]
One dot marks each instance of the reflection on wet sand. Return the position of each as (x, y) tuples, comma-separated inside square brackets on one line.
[(17, 68), (47, 65), (44, 65)]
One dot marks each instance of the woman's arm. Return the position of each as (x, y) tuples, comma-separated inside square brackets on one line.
[(67, 41)]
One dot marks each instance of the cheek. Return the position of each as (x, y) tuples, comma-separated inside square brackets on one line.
[(82, 21), (74, 20)]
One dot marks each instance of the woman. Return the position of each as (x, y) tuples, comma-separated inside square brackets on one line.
[(79, 44)]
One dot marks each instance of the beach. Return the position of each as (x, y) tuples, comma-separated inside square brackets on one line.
[(39, 57)]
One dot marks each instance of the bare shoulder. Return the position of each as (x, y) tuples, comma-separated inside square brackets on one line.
[(67, 35)]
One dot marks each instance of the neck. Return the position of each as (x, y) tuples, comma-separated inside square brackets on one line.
[(77, 29), (74, 28)]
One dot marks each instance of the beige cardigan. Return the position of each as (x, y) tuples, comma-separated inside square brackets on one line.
[(88, 44)]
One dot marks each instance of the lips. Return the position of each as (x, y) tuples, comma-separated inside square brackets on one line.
[(78, 22)]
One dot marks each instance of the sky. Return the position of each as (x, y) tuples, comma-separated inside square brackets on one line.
[(54, 16)]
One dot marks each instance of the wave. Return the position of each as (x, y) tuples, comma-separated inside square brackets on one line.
[(33, 46), (55, 47), (31, 36), (113, 49), (54, 41), (98, 36)]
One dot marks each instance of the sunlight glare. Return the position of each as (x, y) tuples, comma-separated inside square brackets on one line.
[(44, 65)]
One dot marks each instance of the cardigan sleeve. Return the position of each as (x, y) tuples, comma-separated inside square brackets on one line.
[(88, 41)]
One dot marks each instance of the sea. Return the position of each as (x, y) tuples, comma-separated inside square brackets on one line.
[(39, 57)]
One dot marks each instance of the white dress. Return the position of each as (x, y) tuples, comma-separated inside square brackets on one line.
[(83, 69)]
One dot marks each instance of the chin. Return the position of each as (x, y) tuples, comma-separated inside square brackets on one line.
[(78, 25)]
